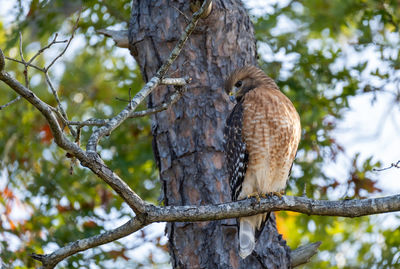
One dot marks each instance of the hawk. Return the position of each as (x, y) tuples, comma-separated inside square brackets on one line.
[(262, 134)]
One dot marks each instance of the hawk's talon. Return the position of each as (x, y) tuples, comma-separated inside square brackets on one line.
[(255, 195), (275, 193)]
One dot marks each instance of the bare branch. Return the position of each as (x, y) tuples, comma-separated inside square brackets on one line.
[(30, 62), (44, 108), (54, 41), (45, 70), (51, 260), (68, 43), (92, 161), (172, 100), (176, 81), (20, 48), (63, 115), (21, 62), (2, 61), (164, 106), (89, 122), (303, 254), (26, 76), (183, 14), (10, 103), (120, 37), (395, 165), (149, 87), (248, 207)]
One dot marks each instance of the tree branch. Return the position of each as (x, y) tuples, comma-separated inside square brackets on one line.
[(2, 61), (392, 165), (120, 37), (248, 207), (89, 122), (54, 41), (303, 254), (51, 260), (75, 27), (10, 103), (171, 100), (148, 88), (91, 161)]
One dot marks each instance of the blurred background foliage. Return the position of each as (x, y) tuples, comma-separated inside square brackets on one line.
[(303, 45)]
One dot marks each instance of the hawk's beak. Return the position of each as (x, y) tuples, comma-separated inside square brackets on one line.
[(232, 94)]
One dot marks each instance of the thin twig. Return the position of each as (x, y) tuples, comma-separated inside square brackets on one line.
[(2, 61), (46, 69), (20, 48), (183, 14), (164, 106), (10, 103), (21, 62), (59, 105), (54, 41), (26, 76), (30, 62), (393, 165), (69, 42), (172, 100), (130, 98)]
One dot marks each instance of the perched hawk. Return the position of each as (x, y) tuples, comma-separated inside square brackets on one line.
[(261, 138)]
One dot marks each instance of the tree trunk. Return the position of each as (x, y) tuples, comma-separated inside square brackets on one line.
[(188, 137)]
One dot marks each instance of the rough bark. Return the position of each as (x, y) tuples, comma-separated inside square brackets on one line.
[(188, 138)]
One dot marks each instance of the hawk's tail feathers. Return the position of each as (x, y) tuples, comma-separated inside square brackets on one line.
[(247, 240), (250, 229)]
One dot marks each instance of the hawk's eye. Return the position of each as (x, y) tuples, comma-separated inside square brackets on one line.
[(238, 84)]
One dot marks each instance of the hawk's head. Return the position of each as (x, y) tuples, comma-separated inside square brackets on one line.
[(245, 79)]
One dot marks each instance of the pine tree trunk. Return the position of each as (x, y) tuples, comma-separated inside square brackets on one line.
[(188, 137)]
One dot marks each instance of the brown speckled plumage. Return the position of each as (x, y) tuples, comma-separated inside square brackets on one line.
[(262, 135)]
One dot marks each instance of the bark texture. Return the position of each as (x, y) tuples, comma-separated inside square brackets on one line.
[(188, 137)]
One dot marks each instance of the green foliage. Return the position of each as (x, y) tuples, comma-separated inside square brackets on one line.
[(306, 56)]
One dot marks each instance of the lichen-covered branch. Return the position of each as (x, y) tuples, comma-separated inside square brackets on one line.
[(171, 100), (248, 207), (181, 82)]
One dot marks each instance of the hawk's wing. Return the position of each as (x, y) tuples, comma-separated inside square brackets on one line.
[(235, 150)]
